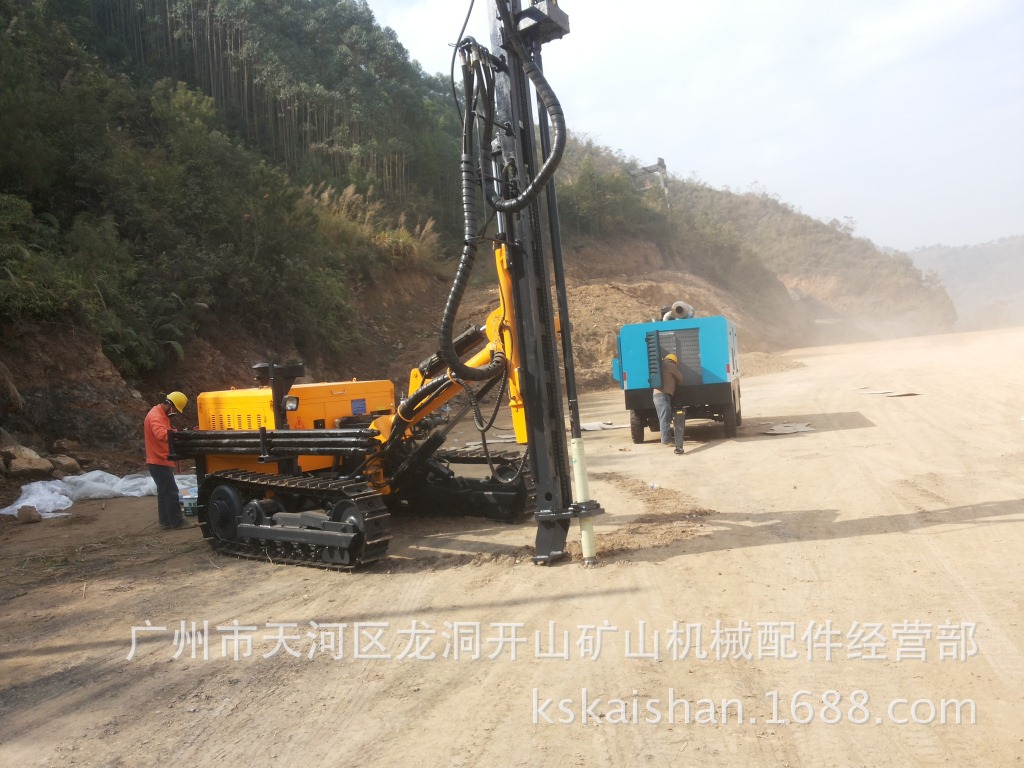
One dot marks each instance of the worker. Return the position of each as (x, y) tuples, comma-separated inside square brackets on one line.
[(671, 378), (161, 468)]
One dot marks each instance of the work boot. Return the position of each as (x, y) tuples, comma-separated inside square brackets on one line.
[(183, 524)]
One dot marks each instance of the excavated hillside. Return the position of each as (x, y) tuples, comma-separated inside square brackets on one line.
[(59, 386)]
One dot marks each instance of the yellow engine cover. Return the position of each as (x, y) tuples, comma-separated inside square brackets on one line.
[(321, 406)]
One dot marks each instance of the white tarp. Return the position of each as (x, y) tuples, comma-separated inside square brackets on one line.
[(50, 497)]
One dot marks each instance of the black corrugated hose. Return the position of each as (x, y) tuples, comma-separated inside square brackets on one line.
[(468, 175)]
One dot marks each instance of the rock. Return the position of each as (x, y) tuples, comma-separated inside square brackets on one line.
[(28, 514), (29, 468), (12, 452), (66, 446), (65, 464)]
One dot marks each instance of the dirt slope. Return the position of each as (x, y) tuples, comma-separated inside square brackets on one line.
[(71, 391), (851, 588)]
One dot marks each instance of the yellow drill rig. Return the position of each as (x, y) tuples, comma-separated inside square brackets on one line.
[(310, 473)]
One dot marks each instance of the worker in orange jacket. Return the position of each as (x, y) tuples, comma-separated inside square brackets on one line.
[(161, 468)]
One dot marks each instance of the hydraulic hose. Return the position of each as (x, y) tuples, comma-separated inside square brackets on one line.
[(467, 172), (473, 59), (554, 109), (552, 106), (407, 410)]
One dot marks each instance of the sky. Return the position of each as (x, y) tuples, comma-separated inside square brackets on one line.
[(904, 116)]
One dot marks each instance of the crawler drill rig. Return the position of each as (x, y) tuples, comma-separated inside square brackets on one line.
[(311, 473)]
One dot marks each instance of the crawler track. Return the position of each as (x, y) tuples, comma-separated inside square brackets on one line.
[(351, 524), (361, 537)]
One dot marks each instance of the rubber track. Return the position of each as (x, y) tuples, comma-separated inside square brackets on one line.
[(366, 499), (358, 491), (477, 456)]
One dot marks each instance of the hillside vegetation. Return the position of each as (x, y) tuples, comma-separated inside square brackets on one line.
[(186, 186)]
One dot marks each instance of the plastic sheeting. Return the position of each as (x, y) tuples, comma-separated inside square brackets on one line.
[(51, 497)]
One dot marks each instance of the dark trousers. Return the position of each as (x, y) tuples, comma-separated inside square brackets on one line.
[(168, 506)]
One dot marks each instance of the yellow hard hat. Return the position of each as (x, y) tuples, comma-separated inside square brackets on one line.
[(672, 357), (178, 400)]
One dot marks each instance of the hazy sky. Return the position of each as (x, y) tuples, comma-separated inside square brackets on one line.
[(905, 115)]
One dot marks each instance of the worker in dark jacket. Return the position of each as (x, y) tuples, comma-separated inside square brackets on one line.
[(671, 378), (161, 468)]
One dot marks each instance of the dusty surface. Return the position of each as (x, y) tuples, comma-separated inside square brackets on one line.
[(889, 539)]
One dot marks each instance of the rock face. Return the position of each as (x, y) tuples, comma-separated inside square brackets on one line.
[(10, 398), (67, 389)]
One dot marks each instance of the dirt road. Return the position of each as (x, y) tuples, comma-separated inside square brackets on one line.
[(847, 596)]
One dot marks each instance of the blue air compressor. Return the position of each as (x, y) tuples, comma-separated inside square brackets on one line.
[(708, 357)]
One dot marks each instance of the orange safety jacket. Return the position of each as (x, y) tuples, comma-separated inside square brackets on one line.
[(156, 428)]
